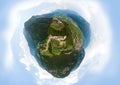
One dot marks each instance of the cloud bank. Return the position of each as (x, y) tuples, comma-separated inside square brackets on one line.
[(97, 53)]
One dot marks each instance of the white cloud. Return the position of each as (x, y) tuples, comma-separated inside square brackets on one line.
[(97, 53)]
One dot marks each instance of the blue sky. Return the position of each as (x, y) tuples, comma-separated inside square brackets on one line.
[(19, 76)]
